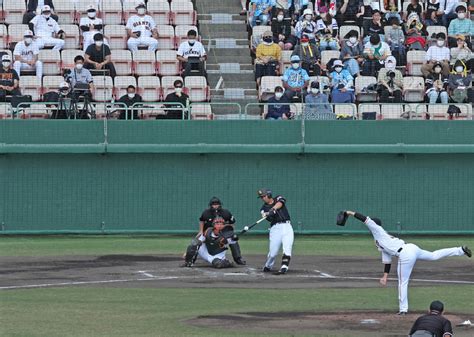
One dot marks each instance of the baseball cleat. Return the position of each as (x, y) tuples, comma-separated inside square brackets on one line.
[(240, 262), (402, 313), (282, 271), (467, 251), (266, 270)]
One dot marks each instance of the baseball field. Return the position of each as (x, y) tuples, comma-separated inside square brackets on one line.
[(134, 286)]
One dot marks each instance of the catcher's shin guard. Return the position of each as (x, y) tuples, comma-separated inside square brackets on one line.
[(236, 255), (191, 253), (224, 263)]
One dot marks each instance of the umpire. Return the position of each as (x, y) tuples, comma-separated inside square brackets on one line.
[(432, 324), (208, 215)]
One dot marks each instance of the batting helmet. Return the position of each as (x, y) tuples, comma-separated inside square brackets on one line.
[(264, 192), (215, 201), (377, 221)]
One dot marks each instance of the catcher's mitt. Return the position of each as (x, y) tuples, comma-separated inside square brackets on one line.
[(341, 218), (227, 232)]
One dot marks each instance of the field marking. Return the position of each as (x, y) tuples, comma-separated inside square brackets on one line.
[(144, 273), (324, 275)]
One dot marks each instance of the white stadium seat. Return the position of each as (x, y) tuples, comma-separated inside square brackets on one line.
[(51, 61), (31, 85), (144, 62), (160, 11), (267, 86), (103, 88), (149, 87), (67, 57), (122, 60), (116, 35), (166, 38), (166, 63), (167, 84), (121, 84), (13, 11), (183, 13)]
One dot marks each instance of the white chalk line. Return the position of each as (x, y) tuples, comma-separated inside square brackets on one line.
[(144, 273)]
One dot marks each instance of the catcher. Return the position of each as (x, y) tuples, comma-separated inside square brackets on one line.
[(211, 246)]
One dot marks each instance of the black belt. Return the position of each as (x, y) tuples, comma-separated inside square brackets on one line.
[(399, 249)]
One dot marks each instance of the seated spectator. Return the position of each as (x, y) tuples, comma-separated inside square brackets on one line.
[(433, 14), (129, 100), (433, 323), (278, 106), (436, 85), (459, 84), (298, 6), (80, 78), (295, 80), (437, 53), (391, 82), (306, 26), (175, 111), (141, 30), (317, 103), (413, 7), (192, 55), (26, 56), (261, 12), (342, 84), (35, 6), (460, 26), (374, 27), (462, 52), (9, 80), (309, 55), (449, 11), (375, 53), (396, 40), (268, 56), (327, 31), (391, 9), (352, 53), (90, 25), (47, 31), (281, 29), (351, 10), (98, 57), (415, 32)]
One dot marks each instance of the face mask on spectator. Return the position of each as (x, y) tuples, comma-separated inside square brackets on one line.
[(440, 43), (191, 41), (461, 15), (437, 70), (308, 17), (141, 11), (28, 40), (278, 95), (178, 90), (46, 15), (459, 69), (267, 39), (338, 69), (295, 65), (390, 65), (280, 17), (353, 40), (99, 43), (315, 91), (91, 14), (79, 66), (5, 64), (131, 95)]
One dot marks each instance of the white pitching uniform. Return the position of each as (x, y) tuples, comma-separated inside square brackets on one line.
[(27, 53), (45, 30), (88, 36), (407, 254), (144, 25)]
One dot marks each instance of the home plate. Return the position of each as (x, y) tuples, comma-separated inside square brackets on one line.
[(369, 321)]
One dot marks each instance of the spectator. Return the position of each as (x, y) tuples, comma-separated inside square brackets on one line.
[(141, 30), (396, 41), (413, 7), (375, 53), (307, 26), (309, 55), (342, 84), (374, 27), (281, 29), (90, 25), (391, 9), (98, 57), (437, 53), (26, 56), (462, 53), (433, 14), (192, 55), (351, 10), (352, 53), (35, 6), (436, 85), (391, 82), (461, 25), (298, 6), (448, 8), (327, 31), (268, 56), (175, 111), (79, 77), (260, 12), (415, 30), (295, 80), (278, 106), (433, 323), (129, 100), (460, 84), (9, 80), (317, 104), (47, 30)]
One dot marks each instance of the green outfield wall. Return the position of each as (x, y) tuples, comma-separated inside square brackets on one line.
[(147, 176)]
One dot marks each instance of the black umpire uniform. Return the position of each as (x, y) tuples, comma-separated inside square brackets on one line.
[(432, 324), (215, 210)]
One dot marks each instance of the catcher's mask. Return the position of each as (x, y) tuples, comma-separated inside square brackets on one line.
[(217, 224), (377, 221)]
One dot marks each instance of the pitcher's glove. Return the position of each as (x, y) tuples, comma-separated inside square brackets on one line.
[(341, 218)]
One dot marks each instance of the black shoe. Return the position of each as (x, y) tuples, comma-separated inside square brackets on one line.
[(467, 251), (240, 262), (402, 313), (266, 270)]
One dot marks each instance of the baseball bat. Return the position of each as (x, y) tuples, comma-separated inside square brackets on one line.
[(247, 228)]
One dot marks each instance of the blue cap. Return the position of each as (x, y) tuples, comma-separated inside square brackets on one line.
[(295, 58)]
